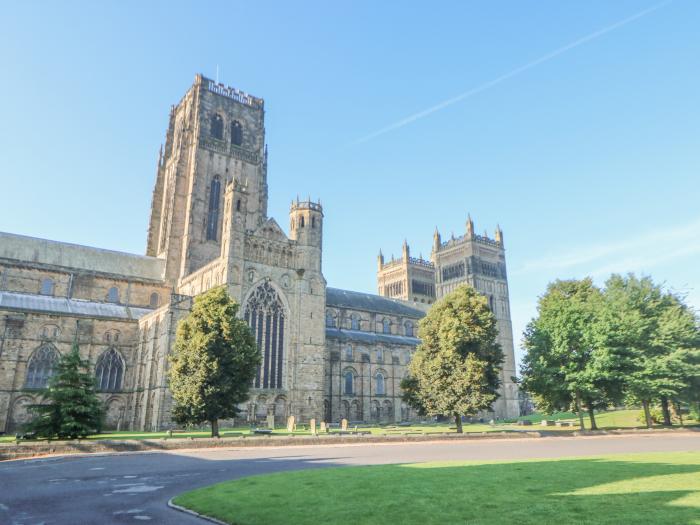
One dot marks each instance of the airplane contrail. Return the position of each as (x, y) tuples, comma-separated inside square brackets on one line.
[(486, 85)]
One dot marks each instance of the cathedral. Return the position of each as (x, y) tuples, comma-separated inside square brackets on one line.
[(326, 353)]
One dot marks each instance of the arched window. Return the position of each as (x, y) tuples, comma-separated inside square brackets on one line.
[(213, 213), (47, 287), (109, 371), (380, 356), (41, 366), (354, 322), (155, 300), (217, 126), (313, 222), (386, 326), (265, 315), (379, 387), (349, 380), (330, 320), (302, 221), (236, 133), (408, 326), (238, 205), (348, 353), (113, 295)]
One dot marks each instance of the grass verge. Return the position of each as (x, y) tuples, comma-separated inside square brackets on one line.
[(659, 488)]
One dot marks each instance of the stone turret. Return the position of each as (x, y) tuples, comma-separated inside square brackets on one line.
[(306, 228)]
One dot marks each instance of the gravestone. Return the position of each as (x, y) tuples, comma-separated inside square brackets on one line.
[(547, 423), (324, 427), (290, 424), (312, 426), (271, 421), (343, 424)]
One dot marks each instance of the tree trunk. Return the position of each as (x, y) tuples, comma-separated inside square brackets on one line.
[(679, 412), (214, 428), (591, 416), (647, 414), (666, 412), (458, 422), (578, 411)]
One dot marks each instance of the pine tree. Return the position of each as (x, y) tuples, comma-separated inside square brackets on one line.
[(71, 408), (213, 363), (456, 368)]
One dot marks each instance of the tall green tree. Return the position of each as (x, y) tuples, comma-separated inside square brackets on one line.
[(657, 335), (213, 363), (456, 368), (70, 407), (564, 365)]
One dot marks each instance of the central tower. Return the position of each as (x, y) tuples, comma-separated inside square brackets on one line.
[(216, 134)]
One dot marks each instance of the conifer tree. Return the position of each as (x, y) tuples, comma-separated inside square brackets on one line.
[(71, 407)]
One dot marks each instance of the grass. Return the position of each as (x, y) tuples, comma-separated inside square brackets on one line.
[(649, 488), (606, 420)]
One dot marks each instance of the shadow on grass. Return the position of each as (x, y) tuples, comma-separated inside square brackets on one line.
[(629, 490)]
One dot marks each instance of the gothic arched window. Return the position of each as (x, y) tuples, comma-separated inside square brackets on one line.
[(109, 371), (349, 380), (41, 366), (236, 133), (213, 213), (265, 315), (47, 286), (379, 388), (217, 126)]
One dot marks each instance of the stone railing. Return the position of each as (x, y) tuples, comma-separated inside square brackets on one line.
[(220, 146)]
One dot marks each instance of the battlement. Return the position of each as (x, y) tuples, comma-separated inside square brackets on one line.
[(415, 261), (231, 92), (306, 205), (481, 239)]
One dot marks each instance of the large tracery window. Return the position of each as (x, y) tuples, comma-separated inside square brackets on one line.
[(213, 214), (264, 313), (109, 371), (41, 366)]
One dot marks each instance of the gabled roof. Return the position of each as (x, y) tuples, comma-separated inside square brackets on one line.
[(337, 298), (271, 230)]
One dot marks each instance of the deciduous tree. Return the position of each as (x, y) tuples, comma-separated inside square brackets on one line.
[(213, 363), (456, 368)]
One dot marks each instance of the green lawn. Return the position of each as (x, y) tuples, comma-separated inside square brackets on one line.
[(642, 488), (605, 420)]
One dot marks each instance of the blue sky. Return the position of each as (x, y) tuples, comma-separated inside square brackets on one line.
[(574, 125)]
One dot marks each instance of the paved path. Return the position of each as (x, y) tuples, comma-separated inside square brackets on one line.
[(134, 487)]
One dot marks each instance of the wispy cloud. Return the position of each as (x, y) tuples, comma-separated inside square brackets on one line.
[(518, 70), (639, 252)]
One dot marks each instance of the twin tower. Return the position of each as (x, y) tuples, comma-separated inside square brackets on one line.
[(472, 259)]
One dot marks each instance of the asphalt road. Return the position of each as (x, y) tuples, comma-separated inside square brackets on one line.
[(135, 487)]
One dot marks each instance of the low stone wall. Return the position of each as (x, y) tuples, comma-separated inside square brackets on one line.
[(23, 450)]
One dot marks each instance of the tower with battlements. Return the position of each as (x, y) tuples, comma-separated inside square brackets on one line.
[(477, 260)]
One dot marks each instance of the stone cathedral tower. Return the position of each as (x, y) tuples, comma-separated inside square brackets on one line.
[(471, 259), (209, 224)]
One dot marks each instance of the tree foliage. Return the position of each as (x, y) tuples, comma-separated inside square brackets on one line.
[(70, 407), (213, 363), (631, 341), (456, 368)]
